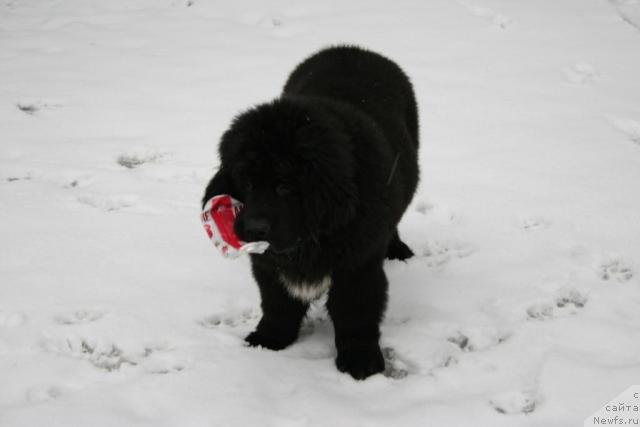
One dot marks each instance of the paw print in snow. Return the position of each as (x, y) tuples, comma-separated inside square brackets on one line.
[(629, 127), (33, 106), (460, 340), (479, 338), (567, 302), (230, 320), (25, 177), (395, 366), (533, 223), (440, 212), (140, 157), (496, 20), (43, 393), (629, 11), (12, 320), (78, 317), (438, 254), (519, 402), (162, 360), (616, 270), (423, 207), (109, 357), (109, 203), (581, 73)]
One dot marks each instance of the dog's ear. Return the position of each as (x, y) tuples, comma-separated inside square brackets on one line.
[(221, 183), (228, 152), (230, 145)]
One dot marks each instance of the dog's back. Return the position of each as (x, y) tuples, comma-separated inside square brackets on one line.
[(366, 80)]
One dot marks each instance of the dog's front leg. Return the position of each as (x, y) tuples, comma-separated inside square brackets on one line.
[(282, 314), (356, 304)]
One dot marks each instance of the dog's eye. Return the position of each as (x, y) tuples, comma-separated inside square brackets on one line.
[(283, 190), (248, 186)]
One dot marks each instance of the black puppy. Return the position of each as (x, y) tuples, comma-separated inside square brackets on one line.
[(325, 173)]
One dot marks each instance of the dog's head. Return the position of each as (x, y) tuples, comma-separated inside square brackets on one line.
[(292, 166)]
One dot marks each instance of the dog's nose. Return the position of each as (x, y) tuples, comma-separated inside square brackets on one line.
[(256, 228)]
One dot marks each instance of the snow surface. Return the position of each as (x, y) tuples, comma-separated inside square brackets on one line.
[(522, 307)]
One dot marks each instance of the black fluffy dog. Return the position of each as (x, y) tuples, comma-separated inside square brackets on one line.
[(325, 173)]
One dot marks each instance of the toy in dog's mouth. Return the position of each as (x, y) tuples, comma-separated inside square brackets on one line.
[(218, 216)]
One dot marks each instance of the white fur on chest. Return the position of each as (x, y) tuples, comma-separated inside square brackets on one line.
[(305, 291)]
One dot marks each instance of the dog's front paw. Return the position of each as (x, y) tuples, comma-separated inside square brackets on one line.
[(270, 340), (360, 362)]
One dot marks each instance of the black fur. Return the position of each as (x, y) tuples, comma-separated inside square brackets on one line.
[(325, 173)]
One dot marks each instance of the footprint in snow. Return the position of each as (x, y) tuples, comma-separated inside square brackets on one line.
[(33, 106), (140, 157), (423, 207), (78, 317), (516, 402), (109, 357), (42, 393), (396, 367), (478, 338), (16, 178), (566, 302), (496, 20), (459, 340), (162, 360), (104, 356), (467, 340), (70, 179), (629, 11), (533, 223), (629, 127), (392, 320), (183, 3), (12, 320), (440, 253), (230, 320), (581, 73), (439, 212), (109, 203), (63, 179), (72, 184), (616, 270), (267, 22), (272, 22)]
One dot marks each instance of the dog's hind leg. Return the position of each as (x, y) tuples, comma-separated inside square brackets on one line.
[(397, 249)]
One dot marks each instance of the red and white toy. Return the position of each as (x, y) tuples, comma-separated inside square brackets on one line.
[(218, 216)]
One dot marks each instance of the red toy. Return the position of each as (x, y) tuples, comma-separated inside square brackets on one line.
[(218, 216)]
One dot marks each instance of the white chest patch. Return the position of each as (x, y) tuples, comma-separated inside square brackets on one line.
[(305, 291)]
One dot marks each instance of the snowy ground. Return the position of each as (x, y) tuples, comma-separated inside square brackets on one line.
[(522, 308)]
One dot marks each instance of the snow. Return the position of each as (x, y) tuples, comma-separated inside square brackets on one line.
[(521, 308)]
